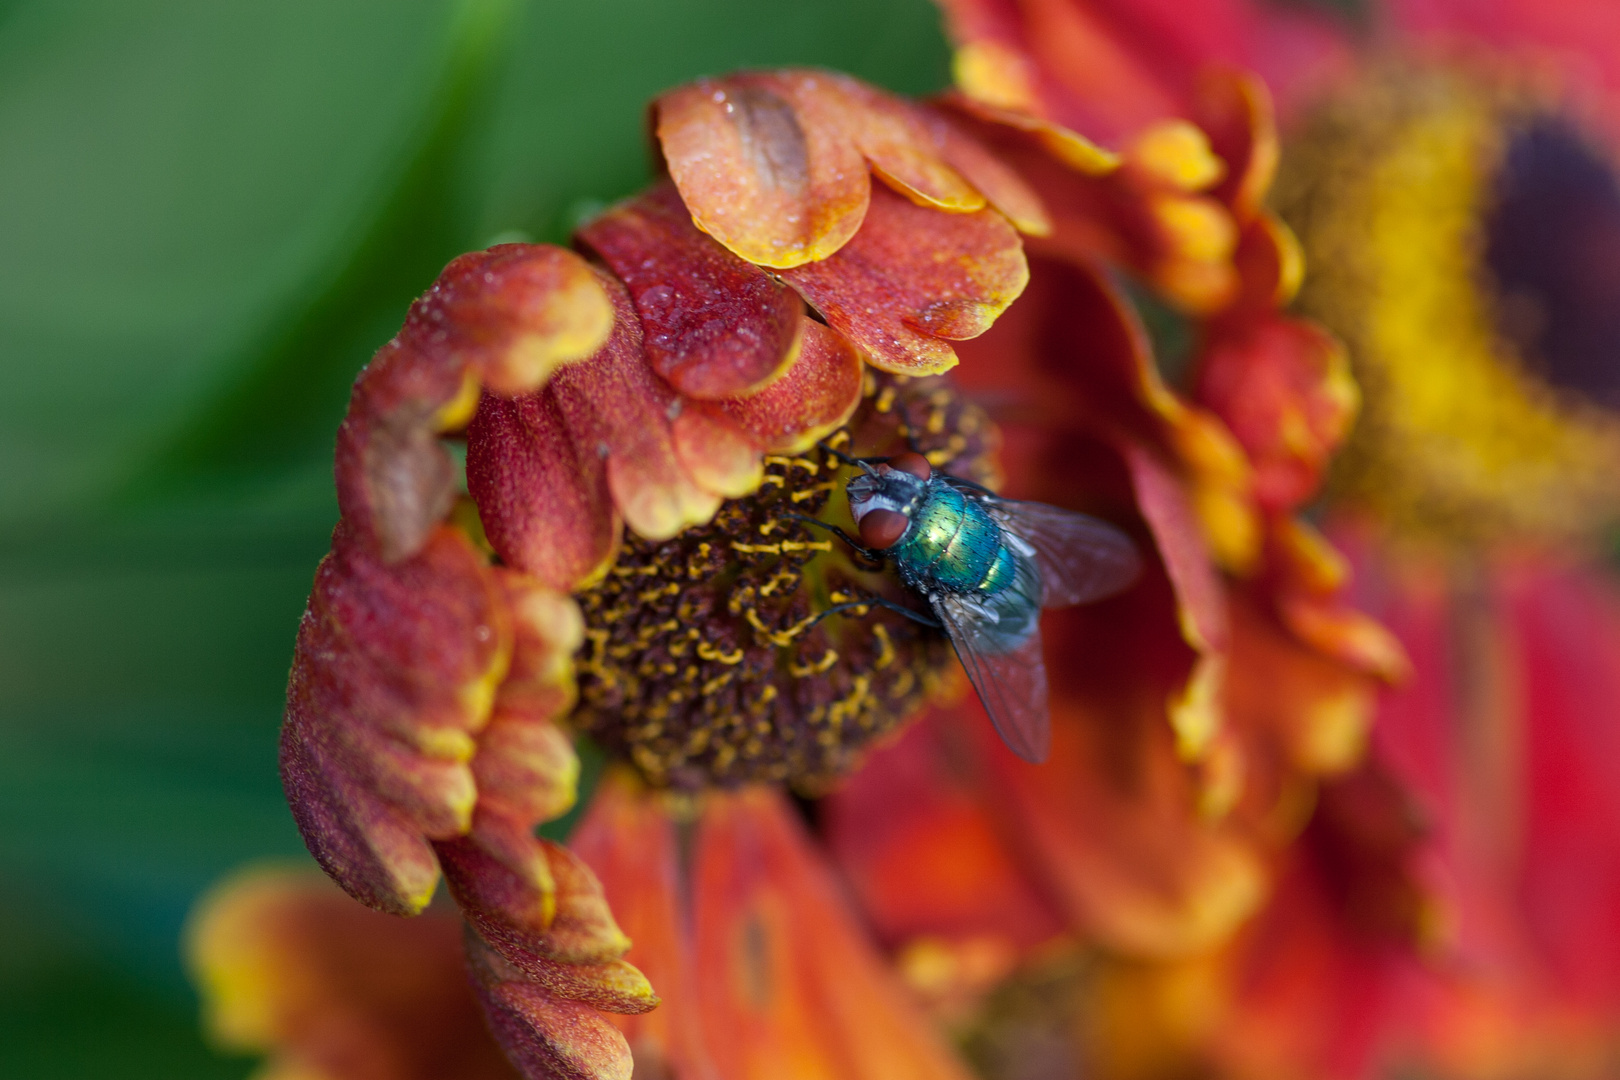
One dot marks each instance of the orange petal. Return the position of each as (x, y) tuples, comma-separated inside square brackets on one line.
[(763, 165), (716, 453), (1112, 824), (894, 136), (629, 840), (517, 312), (815, 395), (913, 276), (1001, 186), (788, 984), (289, 966), (712, 325), (401, 658)]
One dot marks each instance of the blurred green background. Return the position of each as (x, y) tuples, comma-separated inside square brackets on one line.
[(210, 215)]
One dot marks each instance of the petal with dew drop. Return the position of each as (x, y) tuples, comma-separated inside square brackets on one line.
[(914, 276), (713, 326)]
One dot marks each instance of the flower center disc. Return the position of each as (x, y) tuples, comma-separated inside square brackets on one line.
[(705, 663)]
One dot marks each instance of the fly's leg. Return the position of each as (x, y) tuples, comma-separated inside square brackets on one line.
[(878, 601), (876, 558)]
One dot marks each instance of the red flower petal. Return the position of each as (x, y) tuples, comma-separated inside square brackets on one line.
[(912, 276), (1285, 390), (812, 398), (538, 466), (713, 325), (544, 502), (394, 672)]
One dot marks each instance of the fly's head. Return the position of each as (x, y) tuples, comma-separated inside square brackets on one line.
[(884, 497)]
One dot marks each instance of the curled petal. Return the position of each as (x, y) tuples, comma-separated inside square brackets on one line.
[(503, 318), (713, 325), (552, 471), (762, 167), (394, 673), (720, 457), (812, 398), (913, 276), (545, 1035), (896, 140), (543, 501)]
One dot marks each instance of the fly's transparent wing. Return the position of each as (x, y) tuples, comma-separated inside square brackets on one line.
[(1011, 681), (1080, 558)]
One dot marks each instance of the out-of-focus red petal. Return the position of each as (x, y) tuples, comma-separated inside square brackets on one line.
[(394, 673), (540, 465), (505, 318), (289, 966), (787, 982), (1309, 578), (713, 326), (896, 139), (1200, 603), (1111, 826), (629, 840), (1109, 67), (1284, 388), (813, 397), (913, 276), (924, 854), (762, 167), (1234, 109), (1003, 188)]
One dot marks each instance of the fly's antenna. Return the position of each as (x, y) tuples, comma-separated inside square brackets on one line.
[(865, 464)]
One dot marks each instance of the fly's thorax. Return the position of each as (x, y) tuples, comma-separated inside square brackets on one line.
[(705, 663), (955, 545)]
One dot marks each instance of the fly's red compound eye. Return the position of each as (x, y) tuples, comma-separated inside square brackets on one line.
[(912, 463), (882, 529)]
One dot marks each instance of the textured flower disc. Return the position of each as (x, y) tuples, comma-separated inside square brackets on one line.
[(704, 662)]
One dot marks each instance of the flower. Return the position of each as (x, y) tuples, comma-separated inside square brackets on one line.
[(641, 419)]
